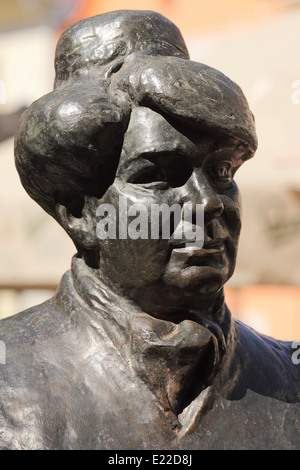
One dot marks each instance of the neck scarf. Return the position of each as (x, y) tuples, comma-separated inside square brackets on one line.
[(178, 362)]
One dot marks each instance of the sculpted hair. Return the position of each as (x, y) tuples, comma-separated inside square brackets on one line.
[(68, 142)]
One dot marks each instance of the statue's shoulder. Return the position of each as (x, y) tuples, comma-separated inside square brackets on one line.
[(248, 336), (20, 374), (31, 340), (24, 338), (37, 353), (30, 324), (267, 364)]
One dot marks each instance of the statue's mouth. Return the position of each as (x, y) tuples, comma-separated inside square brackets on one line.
[(204, 256), (209, 245), (190, 254)]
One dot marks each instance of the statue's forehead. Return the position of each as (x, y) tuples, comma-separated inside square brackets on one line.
[(150, 134), (195, 95)]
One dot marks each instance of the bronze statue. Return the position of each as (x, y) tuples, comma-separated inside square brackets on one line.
[(137, 349)]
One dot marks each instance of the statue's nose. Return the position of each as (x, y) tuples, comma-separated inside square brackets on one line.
[(198, 190)]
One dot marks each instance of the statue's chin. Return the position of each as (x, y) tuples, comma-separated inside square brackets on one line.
[(198, 281), (174, 300), (198, 272)]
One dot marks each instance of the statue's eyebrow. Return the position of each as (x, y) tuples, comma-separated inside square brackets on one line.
[(163, 156), (175, 161), (143, 159), (175, 149), (236, 154)]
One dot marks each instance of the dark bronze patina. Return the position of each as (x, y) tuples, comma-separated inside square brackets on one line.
[(137, 349)]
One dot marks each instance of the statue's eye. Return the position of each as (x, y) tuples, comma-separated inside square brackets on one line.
[(223, 170), (149, 175), (166, 171), (220, 172)]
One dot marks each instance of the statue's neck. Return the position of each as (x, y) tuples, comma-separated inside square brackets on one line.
[(181, 357)]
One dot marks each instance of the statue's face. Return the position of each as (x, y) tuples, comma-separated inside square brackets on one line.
[(160, 165)]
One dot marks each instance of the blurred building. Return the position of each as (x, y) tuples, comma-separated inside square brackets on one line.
[(256, 44)]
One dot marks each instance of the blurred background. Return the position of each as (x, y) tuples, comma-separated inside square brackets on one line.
[(256, 43)]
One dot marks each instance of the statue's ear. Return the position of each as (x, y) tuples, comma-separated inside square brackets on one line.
[(80, 229)]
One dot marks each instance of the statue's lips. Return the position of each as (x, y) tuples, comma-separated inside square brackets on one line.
[(191, 255)]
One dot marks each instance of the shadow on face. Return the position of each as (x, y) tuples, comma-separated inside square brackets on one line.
[(161, 167)]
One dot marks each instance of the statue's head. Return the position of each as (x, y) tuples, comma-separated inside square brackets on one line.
[(132, 119)]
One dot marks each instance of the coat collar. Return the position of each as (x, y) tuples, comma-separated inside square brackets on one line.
[(178, 362)]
